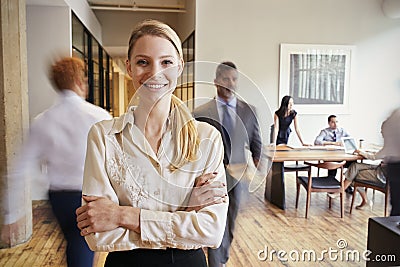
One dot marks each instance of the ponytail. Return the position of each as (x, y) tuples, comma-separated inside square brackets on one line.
[(184, 131)]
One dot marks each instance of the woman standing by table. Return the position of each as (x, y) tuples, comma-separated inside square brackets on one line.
[(283, 118)]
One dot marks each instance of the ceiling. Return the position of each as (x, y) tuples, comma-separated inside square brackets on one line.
[(139, 5), (117, 18)]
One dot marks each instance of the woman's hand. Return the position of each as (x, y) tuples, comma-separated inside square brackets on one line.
[(207, 192), (100, 214)]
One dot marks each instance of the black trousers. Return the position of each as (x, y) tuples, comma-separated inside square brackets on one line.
[(221, 254), (170, 257), (64, 204), (393, 173)]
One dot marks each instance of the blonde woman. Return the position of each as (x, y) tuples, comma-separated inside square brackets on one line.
[(154, 182)]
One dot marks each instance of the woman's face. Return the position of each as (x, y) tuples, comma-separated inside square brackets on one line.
[(154, 66), (290, 104)]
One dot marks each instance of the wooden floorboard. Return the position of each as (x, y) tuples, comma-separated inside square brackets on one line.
[(260, 226)]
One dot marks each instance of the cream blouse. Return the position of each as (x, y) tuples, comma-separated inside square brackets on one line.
[(121, 166)]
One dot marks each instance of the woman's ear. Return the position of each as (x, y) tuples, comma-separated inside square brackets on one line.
[(181, 66), (128, 67)]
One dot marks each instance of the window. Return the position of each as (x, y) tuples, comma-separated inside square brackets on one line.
[(98, 65), (185, 87)]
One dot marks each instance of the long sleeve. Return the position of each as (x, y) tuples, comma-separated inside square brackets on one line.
[(344, 133), (163, 225), (23, 168), (319, 140), (188, 230), (97, 183), (370, 155), (255, 142)]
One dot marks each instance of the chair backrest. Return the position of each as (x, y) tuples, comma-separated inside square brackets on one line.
[(328, 165), (271, 134)]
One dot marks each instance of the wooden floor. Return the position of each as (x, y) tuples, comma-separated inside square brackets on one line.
[(260, 226)]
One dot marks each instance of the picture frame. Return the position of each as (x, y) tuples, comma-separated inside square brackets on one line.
[(316, 76)]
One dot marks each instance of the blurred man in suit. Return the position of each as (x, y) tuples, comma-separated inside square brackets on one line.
[(238, 124)]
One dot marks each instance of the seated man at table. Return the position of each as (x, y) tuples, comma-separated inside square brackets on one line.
[(333, 136)]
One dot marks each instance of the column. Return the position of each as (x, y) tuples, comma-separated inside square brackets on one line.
[(16, 204)]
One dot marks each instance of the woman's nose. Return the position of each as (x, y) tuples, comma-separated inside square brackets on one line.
[(155, 70)]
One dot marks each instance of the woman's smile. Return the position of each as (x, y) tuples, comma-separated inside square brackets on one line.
[(155, 86)]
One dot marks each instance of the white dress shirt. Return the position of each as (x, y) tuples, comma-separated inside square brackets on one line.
[(330, 135), (57, 140), (121, 166)]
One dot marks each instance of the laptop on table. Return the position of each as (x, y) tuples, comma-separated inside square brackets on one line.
[(349, 144)]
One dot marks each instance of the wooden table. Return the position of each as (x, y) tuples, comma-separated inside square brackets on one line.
[(275, 182)]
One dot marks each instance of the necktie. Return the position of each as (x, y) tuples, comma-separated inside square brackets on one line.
[(334, 136), (227, 120), (227, 126)]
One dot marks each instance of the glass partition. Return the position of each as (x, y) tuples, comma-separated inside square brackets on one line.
[(185, 87), (98, 65)]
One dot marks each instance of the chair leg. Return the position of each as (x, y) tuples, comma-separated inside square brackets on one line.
[(386, 201), (341, 205), (352, 198), (330, 202), (308, 202), (297, 194)]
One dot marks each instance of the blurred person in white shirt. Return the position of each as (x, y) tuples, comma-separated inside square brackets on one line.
[(57, 140)]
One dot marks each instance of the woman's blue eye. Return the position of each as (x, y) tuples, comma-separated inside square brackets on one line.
[(141, 62), (168, 62)]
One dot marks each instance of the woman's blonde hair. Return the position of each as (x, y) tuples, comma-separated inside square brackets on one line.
[(184, 130)]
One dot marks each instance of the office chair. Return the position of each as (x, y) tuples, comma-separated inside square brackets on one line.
[(379, 186), (326, 184)]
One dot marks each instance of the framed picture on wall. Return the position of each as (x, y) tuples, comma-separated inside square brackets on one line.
[(316, 76)]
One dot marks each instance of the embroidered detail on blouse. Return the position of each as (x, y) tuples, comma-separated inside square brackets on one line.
[(137, 193), (126, 175)]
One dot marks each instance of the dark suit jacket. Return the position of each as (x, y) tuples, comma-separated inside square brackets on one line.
[(246, 133)]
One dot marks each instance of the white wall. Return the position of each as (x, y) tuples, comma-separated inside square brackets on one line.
[(186, 21), (249, 34), (41, 26)]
